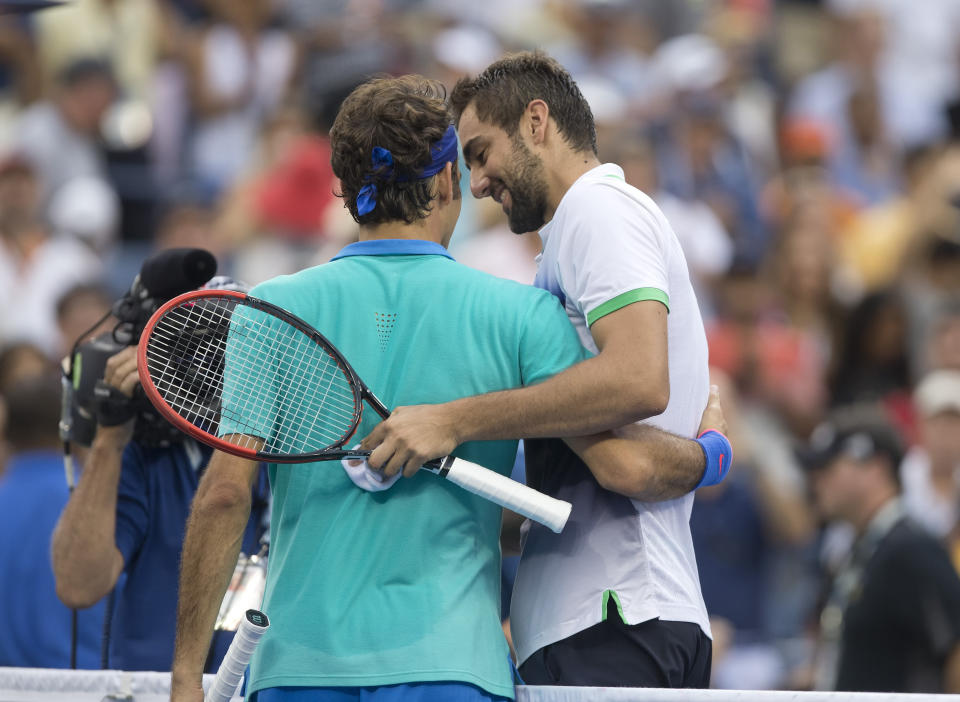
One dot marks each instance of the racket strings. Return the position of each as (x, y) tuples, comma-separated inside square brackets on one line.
[(245, 372)]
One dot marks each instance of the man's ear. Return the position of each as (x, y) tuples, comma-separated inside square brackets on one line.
[(535, 119), (445, 184)]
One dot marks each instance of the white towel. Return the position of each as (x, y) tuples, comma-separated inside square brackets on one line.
[(365, 477)]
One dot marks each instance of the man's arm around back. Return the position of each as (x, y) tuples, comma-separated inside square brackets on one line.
[(626, 382)]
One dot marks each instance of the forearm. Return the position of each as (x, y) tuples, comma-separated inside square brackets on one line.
[(86, 561), (642, 462), (587, 398), (212, 543), (628, 381)]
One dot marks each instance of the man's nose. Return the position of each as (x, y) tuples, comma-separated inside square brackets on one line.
[(479, 183)]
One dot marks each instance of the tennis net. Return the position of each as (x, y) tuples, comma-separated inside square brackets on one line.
[(42, 685)]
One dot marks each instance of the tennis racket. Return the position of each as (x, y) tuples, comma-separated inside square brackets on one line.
[(235, 661), (249, 378)]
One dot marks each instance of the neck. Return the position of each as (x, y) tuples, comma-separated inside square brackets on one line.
[(943, 476), (871, 507), (563, 173), (424, 229), (70, 114)]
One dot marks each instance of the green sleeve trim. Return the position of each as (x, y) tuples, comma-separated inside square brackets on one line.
[(628, 298), (607, 595)]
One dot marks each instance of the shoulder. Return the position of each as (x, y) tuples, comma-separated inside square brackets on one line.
[(502, 295), (40, 114), (605, 197), (487, 281), (909, 549), (294, 283)]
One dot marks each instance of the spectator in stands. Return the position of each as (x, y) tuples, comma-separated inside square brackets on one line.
[(275, 215), (19, 190), (866, 162), (86, 210), (803, 180), (858, 41), (60, 136), (37, 627), (18, 60), (78, 309), (892, 619), (21, 360), (124, 33), (238, 71), (775, 364), (127, 516), (17, 361), (875, 244), (699, 158), (930, 471), (873, 360), (35, 270), (602, 48), (943, 345)]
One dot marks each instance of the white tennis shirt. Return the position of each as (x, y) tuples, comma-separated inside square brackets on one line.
[(608, 245)]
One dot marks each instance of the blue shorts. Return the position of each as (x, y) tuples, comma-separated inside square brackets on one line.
[(411, 692)]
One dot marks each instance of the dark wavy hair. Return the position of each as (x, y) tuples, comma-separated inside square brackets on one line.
[(502, 92), (404, 115)]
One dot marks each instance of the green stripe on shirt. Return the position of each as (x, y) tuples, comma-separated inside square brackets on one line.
[(628, 298)]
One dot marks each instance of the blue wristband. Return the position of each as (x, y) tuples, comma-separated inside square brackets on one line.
[(716, 447)]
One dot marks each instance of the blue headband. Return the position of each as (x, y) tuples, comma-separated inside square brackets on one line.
[(442, 153)]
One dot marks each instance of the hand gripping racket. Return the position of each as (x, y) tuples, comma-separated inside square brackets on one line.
[(235, 661), (249, 378)]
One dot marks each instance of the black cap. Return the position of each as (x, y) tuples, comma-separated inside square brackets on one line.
[(856, 433)]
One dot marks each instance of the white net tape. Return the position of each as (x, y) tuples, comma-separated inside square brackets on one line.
[(629, 694), (41, 685)]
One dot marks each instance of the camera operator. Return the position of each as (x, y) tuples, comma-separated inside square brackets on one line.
[(127, 516)]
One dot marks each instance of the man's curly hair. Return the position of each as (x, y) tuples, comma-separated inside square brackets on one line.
[(405, 115), (503, 90)]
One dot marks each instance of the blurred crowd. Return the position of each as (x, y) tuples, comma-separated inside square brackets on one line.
[(807, 155)]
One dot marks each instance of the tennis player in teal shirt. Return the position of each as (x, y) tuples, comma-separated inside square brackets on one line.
[(388, 595)]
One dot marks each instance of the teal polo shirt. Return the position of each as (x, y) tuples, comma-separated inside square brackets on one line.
[(368, 589)]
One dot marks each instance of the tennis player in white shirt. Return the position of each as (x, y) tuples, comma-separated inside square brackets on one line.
[(615, 598)]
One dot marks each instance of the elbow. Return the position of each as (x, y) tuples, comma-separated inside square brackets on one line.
[(77, 597), (80, 582), (647, 399), (630, 478), (658, 401), (612, 482), (84, 587), (223, 498)]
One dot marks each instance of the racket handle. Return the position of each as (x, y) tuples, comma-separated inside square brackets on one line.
[(234, 664), (550, 512)]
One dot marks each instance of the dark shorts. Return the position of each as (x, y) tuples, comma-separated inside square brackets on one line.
[(654, 653)]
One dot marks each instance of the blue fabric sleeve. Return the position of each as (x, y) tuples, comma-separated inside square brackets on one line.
[(132, 503), (548, 342)]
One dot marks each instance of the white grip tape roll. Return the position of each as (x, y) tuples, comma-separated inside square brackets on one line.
[(550, 512), (234, 664)]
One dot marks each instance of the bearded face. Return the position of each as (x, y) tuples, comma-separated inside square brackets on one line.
[(527, 187)]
